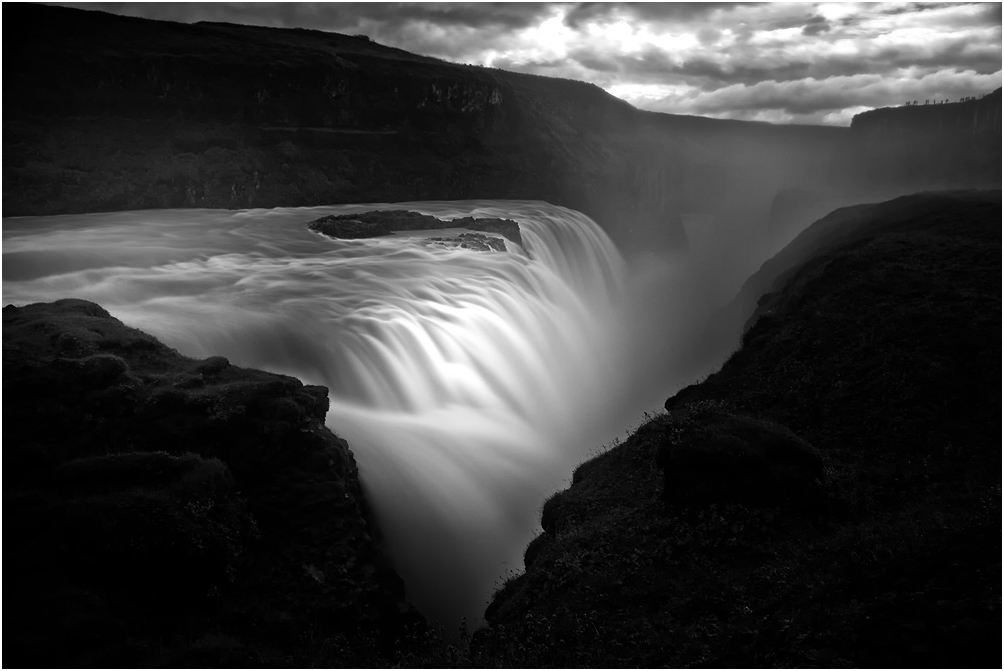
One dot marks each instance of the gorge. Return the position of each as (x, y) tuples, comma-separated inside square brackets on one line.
[(465, 408), (467, 383)]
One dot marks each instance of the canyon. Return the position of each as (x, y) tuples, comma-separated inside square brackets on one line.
[(116, 113), (187, 204)]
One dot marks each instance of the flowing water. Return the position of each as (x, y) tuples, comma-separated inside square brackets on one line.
[(468, 384)]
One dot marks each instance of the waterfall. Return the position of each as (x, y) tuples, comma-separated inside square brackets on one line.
[(468, 384)]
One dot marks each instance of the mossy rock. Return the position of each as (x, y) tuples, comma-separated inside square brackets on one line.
[(140, 514), (174, 497), (719, 457)]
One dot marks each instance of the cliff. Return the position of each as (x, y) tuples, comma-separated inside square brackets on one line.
[(163, 511), (830, 497), (946, 145), (978, 116), (118, 113), (840, 228)]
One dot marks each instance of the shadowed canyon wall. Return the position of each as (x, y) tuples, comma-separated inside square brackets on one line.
[(116, 113), (932, 146), (110, 113)]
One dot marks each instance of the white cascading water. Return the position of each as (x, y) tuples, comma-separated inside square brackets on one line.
[(468, 384)]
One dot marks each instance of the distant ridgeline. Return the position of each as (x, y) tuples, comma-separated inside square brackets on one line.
[(976, 116), (116, 113)]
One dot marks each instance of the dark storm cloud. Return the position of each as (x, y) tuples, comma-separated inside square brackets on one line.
[(991, 14), (831, 100), (713, 71), (336, 15), (985, 16), (273, 14), (797, 97), (815, 25), (445, 30), (501, 15), (654, 65), (912, 7), (595, 60), (959, 53)]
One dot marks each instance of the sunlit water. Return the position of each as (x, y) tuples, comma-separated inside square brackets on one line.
[(468, 384)]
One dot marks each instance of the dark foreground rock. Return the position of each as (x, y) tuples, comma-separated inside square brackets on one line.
[(384, 222), (711, 457), (882, 352), (171, 512)]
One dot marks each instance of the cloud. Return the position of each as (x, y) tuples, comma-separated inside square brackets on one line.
[(712, 69), (815, 25), (990, 14), (582, 13), (817, 101), (496, 15), (455, 31), (336, 15)]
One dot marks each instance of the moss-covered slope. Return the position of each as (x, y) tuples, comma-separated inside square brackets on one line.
[(165, 511), (879, 354)]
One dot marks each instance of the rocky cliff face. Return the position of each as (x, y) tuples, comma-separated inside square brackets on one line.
[(165, 511), (946, 145), (830, 497), (842, 227), (118, 113), (979, 116)]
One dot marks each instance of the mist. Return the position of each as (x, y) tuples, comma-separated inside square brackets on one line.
[(468, 384)]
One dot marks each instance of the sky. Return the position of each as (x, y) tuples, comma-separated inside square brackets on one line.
[(817, 63)]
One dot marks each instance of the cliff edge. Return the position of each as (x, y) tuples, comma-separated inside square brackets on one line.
[(830, 497), (935, 146)]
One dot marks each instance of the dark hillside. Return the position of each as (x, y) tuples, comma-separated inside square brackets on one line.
[(710, 537), (108, 113)]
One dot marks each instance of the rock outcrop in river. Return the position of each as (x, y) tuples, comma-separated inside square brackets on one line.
[(385, 222)]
